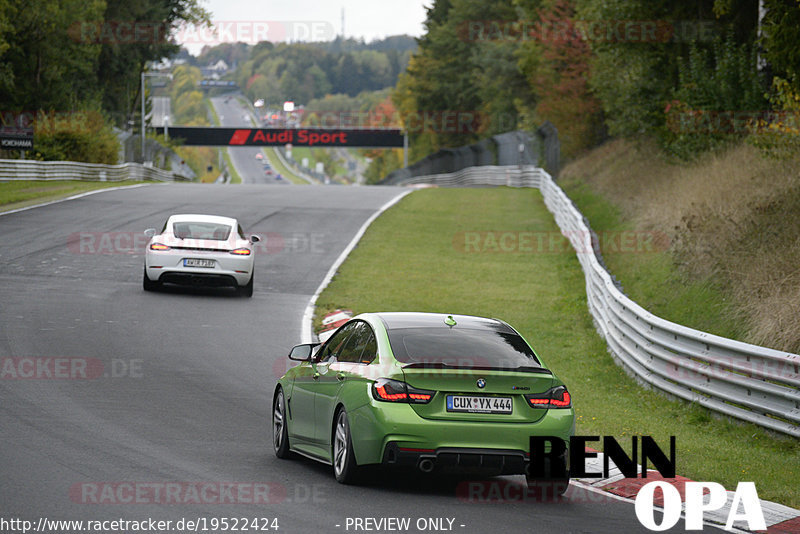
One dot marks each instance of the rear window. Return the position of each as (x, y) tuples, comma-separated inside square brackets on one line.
[(461, 347), (201, 230)]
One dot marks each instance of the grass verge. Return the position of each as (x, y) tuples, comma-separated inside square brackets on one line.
[(22, 193), (647, 271), (235, 177), (300, 152), (413, 258), (729, 261)]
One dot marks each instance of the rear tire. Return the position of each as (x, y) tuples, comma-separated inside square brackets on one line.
[(149, 285), (247, 290), (345, 467)]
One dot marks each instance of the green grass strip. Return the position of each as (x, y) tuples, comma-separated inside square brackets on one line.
[(652, 279), (413, 258), (235, 177), (21, 193), (300, 152)]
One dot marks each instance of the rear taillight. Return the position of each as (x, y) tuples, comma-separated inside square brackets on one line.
[(158, 246), (557, 397), (241, 251), (387, 390)]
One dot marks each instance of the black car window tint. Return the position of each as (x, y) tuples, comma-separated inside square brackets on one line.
[(461, 348), (356, 343), (336, 342), (370, 349)]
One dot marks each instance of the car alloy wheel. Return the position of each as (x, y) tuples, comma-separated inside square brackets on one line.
[(344, 462), (280, 434)]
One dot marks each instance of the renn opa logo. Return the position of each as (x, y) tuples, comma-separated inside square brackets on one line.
[(549, 457)]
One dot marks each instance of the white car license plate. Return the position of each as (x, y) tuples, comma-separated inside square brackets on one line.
[(193, 262), (470, 404)]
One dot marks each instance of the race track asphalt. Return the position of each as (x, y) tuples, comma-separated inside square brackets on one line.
[(175, 387)]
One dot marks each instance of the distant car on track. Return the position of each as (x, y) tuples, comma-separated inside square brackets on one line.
[(200, 250), (420, 390), (259, 156)]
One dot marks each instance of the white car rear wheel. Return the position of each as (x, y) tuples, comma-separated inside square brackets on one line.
[(149, 285), (247, 290)]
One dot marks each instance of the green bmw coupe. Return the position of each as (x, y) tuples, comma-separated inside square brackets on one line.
[(434, 392)]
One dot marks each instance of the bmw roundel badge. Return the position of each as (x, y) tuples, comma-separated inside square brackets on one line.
[(481, 383)]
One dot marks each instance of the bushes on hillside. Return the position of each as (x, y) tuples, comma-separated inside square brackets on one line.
[(74, 137)]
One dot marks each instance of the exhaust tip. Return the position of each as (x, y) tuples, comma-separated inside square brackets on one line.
[(426, 465)]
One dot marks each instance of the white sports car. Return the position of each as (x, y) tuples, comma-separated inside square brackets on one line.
[(200, 250)]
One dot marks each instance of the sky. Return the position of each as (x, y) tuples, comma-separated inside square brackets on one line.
[(306, 20)]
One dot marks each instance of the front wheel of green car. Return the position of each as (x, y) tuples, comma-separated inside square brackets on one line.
[(280, 434), (344, 460)]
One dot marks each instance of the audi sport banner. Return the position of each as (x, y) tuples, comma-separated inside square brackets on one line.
[(283, 136)]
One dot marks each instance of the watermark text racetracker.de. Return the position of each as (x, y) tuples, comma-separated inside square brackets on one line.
[(122, 32), (68, 368), (555, 242), (49, 122), (594, 31), (102, 243), (195, 492), (193, 524)]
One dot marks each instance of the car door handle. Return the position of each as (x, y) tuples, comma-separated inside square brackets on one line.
[(340, 377)]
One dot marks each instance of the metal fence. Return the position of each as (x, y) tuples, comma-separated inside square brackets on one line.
[(17, 169), (752, 383)]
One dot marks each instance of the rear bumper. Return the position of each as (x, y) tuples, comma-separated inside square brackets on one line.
[(168, 267), (394, 434), (458, 460), (198, 279)]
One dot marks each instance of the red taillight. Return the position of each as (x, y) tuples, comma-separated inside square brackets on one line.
[(557, 397), (383, 394), (388, 390), (564, 402), (241, 251), (158, 246)]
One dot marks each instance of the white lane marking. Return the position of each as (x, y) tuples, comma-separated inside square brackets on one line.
[(73, 197), (306, 335)]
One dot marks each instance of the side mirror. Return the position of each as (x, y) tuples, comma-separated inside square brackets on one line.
[(254, 238), (150, 232), (302, 353)]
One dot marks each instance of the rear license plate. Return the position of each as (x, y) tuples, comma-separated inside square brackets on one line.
[(192, 262), (469, 404)]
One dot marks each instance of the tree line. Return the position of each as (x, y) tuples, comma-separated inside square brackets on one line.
[(693, 75), (69, 58), (302, 72)]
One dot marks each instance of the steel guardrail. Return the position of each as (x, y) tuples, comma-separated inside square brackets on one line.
[(749, 382), (15, 169)]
